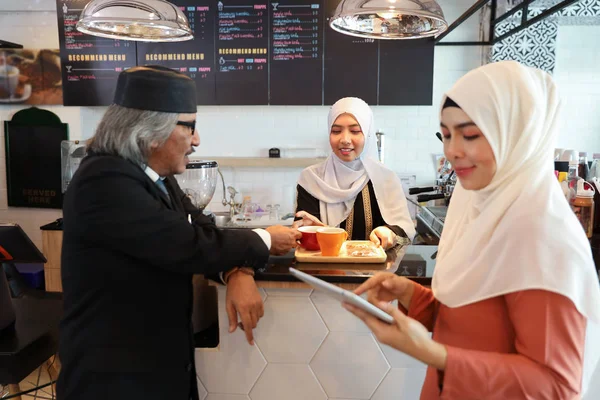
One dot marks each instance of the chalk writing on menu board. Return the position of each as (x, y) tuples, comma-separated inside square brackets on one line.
[(194, 58), (242, 52), (279, 52), (90, 65), (296, 51)]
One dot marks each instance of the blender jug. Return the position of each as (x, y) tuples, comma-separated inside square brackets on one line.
[(199, 181)]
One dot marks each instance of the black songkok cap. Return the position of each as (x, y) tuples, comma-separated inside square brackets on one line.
[(156, 88)]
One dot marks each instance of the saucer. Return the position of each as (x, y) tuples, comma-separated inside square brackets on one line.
[(18, 99)]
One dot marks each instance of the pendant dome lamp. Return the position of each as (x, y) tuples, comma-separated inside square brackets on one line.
[(389, 19), (141, 20)]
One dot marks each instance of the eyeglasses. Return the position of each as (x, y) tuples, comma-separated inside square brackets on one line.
[(189, 124)]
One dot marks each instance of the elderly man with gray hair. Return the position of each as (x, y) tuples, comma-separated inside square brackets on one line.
[(129, 251)]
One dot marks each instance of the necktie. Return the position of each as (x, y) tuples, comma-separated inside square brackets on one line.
[(161, 184)]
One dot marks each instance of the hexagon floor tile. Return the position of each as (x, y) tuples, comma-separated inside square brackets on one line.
[(289, 382), (201, 390), (218, 396), (291, 330), (349, 365), (335, 316), (401, 384)]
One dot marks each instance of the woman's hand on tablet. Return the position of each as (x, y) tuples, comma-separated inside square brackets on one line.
[(386, 287)]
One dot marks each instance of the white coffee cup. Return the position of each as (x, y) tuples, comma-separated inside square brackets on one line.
[(9, 78)]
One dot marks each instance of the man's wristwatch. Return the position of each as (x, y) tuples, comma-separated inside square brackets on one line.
[(245, 270)]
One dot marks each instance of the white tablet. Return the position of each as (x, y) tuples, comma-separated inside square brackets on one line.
[(342, 295)]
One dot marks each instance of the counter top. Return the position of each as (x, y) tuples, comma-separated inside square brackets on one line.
[(277, 275), (348, 275)]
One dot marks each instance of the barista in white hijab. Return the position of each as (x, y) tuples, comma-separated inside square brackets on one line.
[(517, 233), (336, 183)]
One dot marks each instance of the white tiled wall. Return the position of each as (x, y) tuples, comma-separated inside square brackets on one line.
[(578, 75), (251, 130)]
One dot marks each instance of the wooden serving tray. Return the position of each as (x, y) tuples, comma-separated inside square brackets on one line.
[(303, 255)]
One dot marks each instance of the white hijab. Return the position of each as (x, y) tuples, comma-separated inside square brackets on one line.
[(518, 233), (336, 183)]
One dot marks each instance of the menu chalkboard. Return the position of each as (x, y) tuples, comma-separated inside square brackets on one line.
[(406, 72), (195, 58), (242, 52), (279, 52), (90, 65), (296, 51), (351, 68)]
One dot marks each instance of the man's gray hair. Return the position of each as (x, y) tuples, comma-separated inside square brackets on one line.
[(129, 133)]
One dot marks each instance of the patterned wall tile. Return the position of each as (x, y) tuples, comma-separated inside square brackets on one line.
[(534, 46)]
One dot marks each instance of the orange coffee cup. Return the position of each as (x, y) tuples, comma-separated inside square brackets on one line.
[(331, 240)]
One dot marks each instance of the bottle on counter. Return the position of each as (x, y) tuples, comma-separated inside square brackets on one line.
[(596, 184), (572, 179), (583, 206), (564, 185), (583, 169), (247, 210), (594, 180), (595, 167)]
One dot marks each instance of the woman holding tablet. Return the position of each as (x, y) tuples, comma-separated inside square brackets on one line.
[(515, 301), (351, 188)]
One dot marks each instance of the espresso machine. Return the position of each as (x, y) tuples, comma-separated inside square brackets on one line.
[(441, 190), (430, 219)]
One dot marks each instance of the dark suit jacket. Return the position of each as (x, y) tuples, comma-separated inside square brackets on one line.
[(127, 262)]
